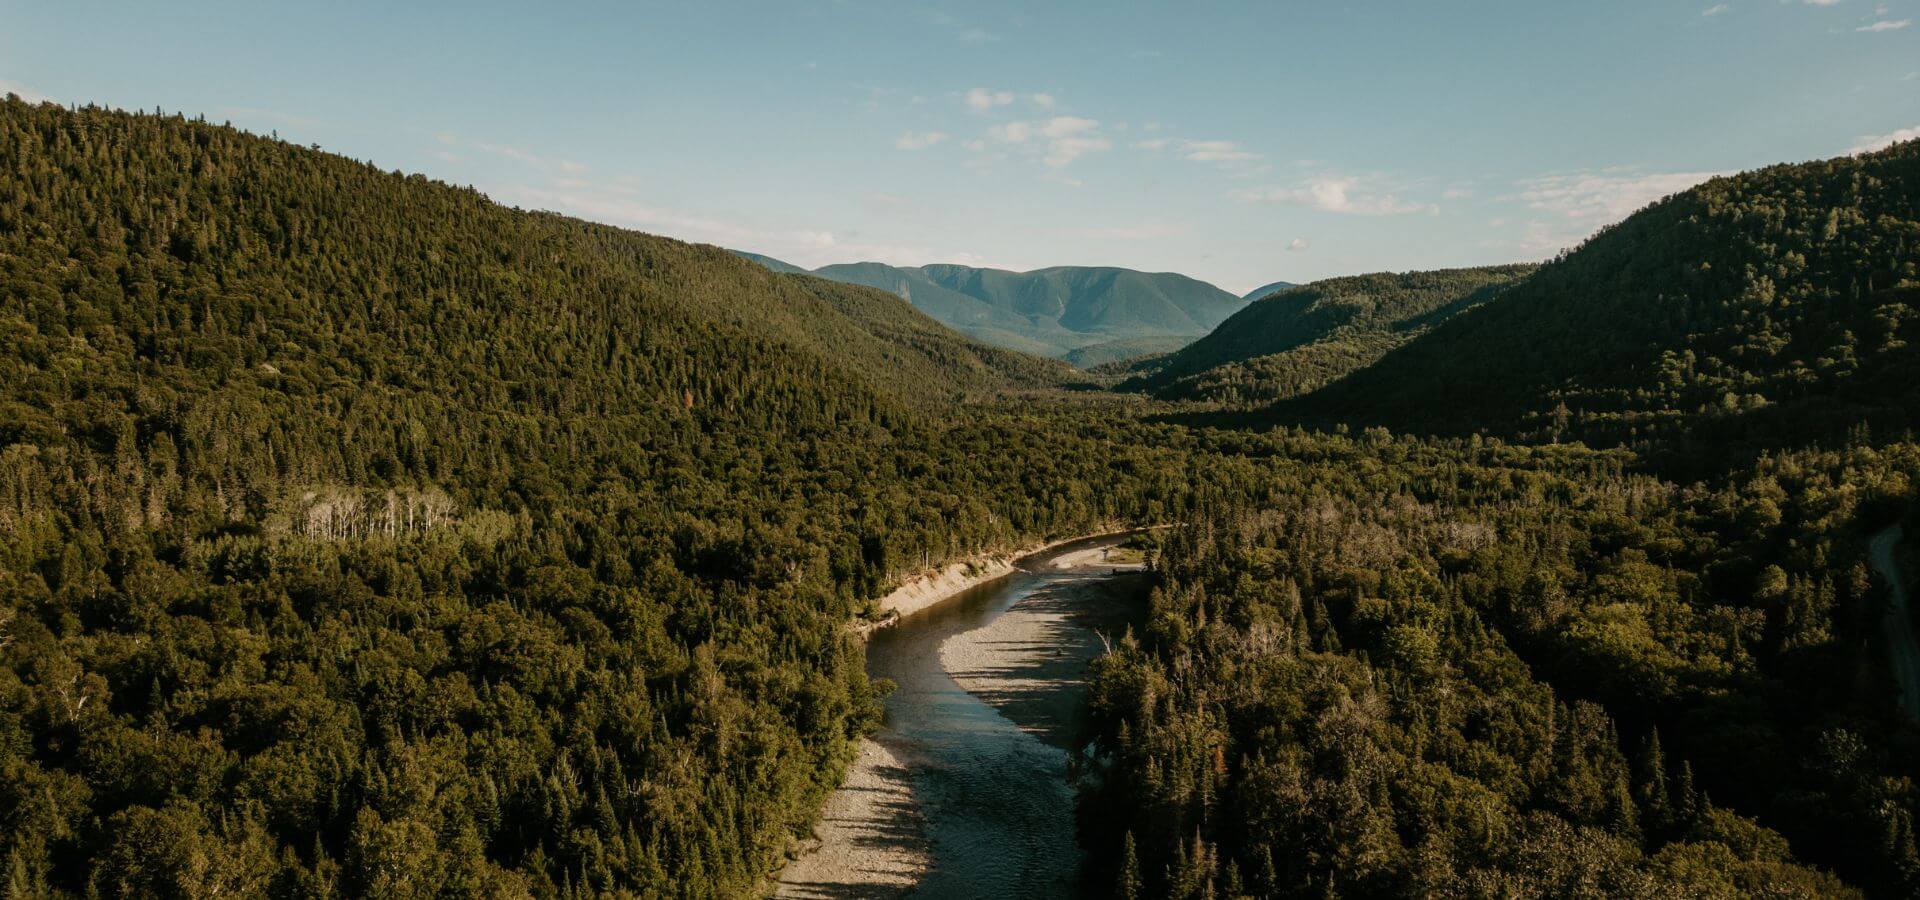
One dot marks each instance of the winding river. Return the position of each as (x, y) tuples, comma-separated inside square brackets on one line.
[(989, 684)]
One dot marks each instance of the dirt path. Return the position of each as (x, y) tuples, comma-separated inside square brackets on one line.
[(1902, 650)]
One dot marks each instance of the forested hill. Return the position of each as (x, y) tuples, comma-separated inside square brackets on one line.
[(1290, 342), (362, 537), (1776, 304), (1265, 289), (1099, 311)]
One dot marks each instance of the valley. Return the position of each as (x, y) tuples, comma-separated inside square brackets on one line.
[(363, 536)]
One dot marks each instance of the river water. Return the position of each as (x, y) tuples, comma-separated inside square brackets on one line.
[(996, 800)]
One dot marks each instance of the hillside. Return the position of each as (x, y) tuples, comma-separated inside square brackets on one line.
[(1117, 353), (1775, 304), (362, 537), (1299, 339), (1266, 289), (1047, 311)]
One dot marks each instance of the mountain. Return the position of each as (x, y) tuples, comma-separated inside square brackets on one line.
[(771, 263), (1776, 304), (1297, 339), (1266, 289), (1048, 311)]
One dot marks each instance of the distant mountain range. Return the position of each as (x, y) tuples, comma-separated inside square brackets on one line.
[(1087, 315), (1266, 289)]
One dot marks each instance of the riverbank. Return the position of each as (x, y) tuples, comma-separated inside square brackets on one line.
[(871, 840), (922, 592), (1903, 653), (1026, 663), (1030, 662)]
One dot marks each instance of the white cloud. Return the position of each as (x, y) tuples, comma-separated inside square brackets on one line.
[(1871, 143), (1216, 151), (1044, 101), (1151, 231), (1594, 199), (1886, 25), (1298, 244), (1577, 204), (251, 112), (981, 99), (1152, 144), (517, 154), (1012, 132), (25, 93), (919, 140), (1822, 2), (1716, 9), (1067, 126), (1346, 194), (1456, 193), (1058, 141), (618, 203)]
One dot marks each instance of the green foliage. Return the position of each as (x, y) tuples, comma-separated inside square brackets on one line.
[(359, 536), (1775, 305), (1386, 668), (1293, 341)]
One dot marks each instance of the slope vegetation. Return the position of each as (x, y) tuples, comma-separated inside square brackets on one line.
[(1774, 304), (1299, 339), (362, 537)]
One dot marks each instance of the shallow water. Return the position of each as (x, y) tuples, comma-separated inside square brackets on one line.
[(996, 800)]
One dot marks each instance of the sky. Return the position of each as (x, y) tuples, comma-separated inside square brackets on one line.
[(1240, 143)]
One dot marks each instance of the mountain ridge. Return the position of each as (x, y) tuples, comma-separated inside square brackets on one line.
[(1051, 311)]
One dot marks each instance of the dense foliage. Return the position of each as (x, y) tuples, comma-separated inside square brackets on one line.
[(1297, 340), (359, 536), (1772, 304), (1401, 669)]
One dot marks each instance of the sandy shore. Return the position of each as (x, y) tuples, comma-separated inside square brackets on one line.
[(870, 842), (1024, 662), (921, 592)]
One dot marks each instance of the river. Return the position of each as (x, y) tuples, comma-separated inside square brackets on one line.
[(980, 724)]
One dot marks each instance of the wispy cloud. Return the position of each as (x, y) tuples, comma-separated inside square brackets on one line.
[(1598, 198), (981, 99), (1871, 143), (517, 154), (268, 115), (1058, 141), (920, 140), (1886, 25), (1354, 195), (1576, 204), (1298, 244), (619, 203), (1716, 9), (1229, 155), (1216, 151), (1149, 231), (23, 92)]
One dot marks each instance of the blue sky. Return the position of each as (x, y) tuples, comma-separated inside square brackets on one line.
[(1237, 142)]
